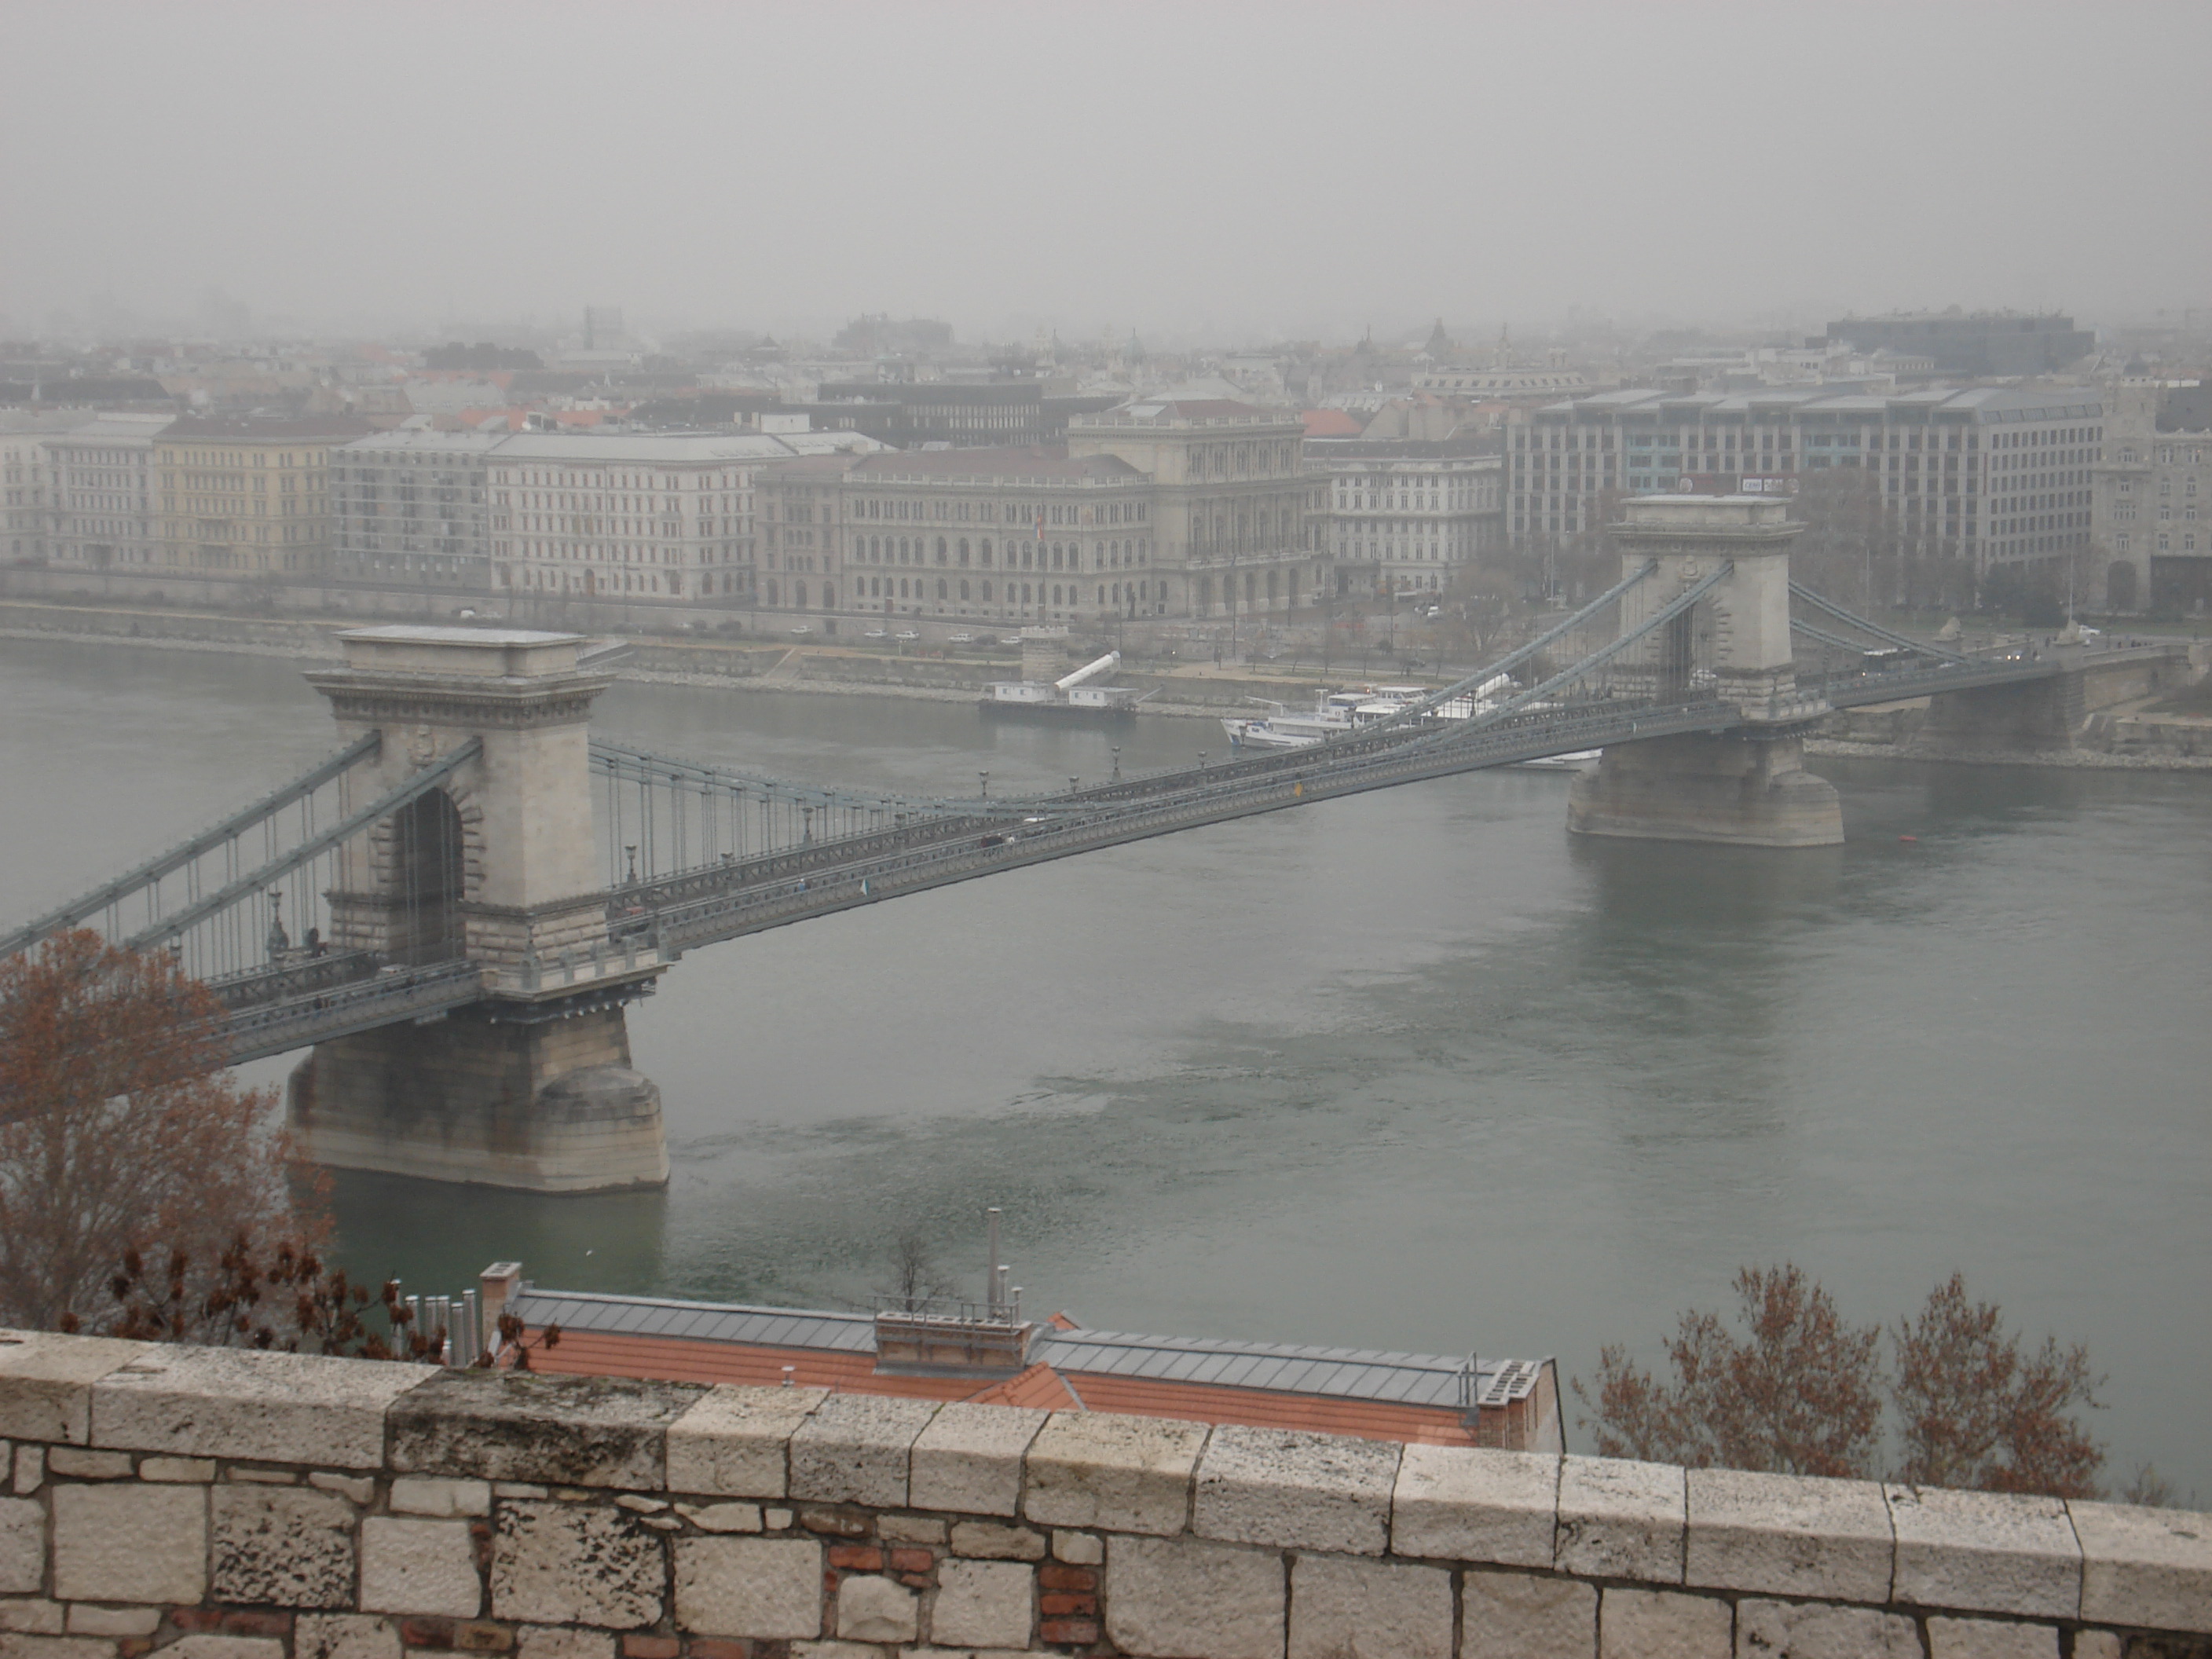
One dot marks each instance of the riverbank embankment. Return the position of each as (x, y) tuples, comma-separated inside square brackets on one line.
[(2151, 737)]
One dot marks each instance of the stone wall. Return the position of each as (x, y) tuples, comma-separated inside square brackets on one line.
[(217, 1505)]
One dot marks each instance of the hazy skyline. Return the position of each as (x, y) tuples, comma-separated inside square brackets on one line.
[(1231, 172)]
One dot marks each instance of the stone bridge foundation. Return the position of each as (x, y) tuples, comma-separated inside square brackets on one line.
[(551, 1107), (1743, 788)]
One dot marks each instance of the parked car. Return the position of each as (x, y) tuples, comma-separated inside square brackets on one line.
[(963, 639), (877, 633)]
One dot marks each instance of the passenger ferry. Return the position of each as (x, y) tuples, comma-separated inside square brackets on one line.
[(1333, 714)]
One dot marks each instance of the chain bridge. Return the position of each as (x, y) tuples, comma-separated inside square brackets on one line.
[(454, 909)]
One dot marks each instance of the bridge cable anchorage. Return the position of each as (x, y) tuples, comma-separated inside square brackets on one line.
[(421, 783), (149, 874), (1513, 705), (1513, 658), (1820, 602)]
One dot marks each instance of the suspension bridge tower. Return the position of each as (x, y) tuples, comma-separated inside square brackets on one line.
[(1747, 786), (531, 1087)]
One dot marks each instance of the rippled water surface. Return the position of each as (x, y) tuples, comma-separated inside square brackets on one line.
[(1413, 1070)]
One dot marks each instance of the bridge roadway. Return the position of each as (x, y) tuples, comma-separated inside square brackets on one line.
[(650, 924)]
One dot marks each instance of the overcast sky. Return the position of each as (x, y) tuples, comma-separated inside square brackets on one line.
[(1232, 171)]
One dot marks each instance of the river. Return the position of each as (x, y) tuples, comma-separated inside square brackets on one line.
[(1413, 1070)]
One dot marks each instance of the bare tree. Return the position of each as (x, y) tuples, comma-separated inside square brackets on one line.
[(1977, 1412), (1798, 1393), (916, 1276), (120, 1130)]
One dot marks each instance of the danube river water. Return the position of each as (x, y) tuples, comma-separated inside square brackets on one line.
[(1415, 1070)]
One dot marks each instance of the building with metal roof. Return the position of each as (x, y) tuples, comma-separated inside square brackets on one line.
[(987, 1353)]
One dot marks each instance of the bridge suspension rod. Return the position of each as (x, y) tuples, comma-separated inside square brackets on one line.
[(1513, 658), (421, 784), (1820, 635), (206, 840), (641, 766), (1820, 602)]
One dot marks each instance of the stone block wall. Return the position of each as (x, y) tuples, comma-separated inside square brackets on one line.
[(216, 1504)]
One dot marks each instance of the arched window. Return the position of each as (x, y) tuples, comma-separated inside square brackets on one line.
[(963, 590), (940, 549), (771, 592), (985, 548), (987, 592), (1055, 593), (799, 596), (902, 593), (963, 553)]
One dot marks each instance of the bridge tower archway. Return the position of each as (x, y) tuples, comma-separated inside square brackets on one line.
[(430, 876)]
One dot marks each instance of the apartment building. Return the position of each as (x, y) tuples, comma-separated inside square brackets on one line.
[(247, 493), (626, 513), (101, 476), (2153, 512), (1994, 476), (1406, 515), (414, 507)]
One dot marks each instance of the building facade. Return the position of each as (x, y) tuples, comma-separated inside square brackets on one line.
[(1994, 476), (247, 495), (627, 513), (1405, 515), (1028, 535), (414, 507), (102, 484), (2153, 515), (1235, 514)]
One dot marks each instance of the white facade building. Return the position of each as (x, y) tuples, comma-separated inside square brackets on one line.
[(101, 479), (665, 515)]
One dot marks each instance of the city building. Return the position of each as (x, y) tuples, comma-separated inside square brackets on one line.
[(1991, 476), (1236, 513), (908, 413), (1404, 515), (2153, 513), (102, 480), (26, 485), (1981, 343), (649, 514), (987, 1353), (247, 493), (413, 505), (1008, 536), (1198, 509)]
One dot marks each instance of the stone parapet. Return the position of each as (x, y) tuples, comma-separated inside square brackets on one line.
[(232, 1505)]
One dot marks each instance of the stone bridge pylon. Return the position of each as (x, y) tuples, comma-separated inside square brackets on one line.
[(1747, 786), (531, 1087)]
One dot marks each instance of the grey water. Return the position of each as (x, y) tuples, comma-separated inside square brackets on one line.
[(1415, 1070)]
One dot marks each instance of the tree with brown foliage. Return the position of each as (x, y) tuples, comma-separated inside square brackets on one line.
[(120, 1132), (1798, 1393), (1801, 1392), (1977, 1412)]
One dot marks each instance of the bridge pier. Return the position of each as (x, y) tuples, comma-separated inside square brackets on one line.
[(531, 1087), (1747, 786), (549, 1106), (1743, 788)]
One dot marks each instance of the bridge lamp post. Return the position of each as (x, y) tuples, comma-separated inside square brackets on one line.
[(984, 791)]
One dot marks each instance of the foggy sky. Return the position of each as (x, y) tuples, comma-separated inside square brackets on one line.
[(1227, 171)]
